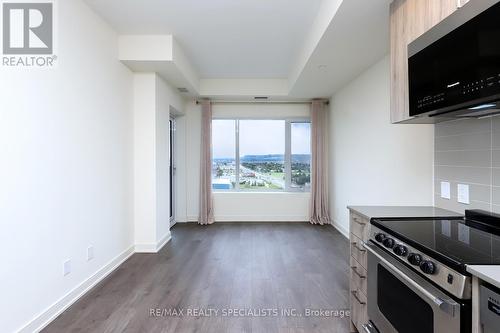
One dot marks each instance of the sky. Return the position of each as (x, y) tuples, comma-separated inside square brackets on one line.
[(301, 138), (223, 138), (258, 137)]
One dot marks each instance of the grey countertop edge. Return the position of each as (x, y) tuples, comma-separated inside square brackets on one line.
[(488, 273), (371, 212)]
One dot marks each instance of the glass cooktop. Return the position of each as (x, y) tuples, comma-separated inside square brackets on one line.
[(458, 242)]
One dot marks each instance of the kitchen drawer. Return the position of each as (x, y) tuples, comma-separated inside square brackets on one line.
[(359, 311), (358, 251), (360, 226), (358, 277)]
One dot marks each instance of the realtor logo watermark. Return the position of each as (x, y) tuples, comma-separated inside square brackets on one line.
[(28, 32)]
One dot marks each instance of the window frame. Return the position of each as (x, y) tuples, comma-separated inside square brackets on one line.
[(287, 156)]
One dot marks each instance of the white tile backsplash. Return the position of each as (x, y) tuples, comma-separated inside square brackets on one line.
[(468, 152)]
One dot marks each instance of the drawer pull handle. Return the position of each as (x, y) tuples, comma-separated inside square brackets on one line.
[(355, 271), (355, 295), (355, 219), (355, 245)]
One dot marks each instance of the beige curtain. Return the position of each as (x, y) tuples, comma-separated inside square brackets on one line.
[(320, 211), (206, 200)]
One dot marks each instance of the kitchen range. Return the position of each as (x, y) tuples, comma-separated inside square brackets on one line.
[(418, 279), (424, 273)]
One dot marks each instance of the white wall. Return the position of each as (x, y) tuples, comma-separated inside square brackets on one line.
[(180, 161), (166, 99), (66, 169), (153, 98), (145, 159), (242, 206), (260, 111), (192, 180), (374, 162), (263, 207)]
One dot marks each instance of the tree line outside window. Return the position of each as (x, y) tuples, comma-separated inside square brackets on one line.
[(261, 155)]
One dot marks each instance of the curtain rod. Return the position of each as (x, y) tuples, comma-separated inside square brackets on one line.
[(262, 102)]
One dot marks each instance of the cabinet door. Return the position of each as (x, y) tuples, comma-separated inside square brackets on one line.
[(424, 14), (399, 65)]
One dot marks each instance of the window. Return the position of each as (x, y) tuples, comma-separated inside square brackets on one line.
[(224, 154), (261, 155), (301, 155)]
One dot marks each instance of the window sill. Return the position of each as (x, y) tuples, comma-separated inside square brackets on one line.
[(260, 192)]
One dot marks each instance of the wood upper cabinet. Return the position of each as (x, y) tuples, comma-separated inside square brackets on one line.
[(409, 19), (399, 67)]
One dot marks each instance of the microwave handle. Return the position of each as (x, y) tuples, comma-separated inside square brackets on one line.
[(443, 305)]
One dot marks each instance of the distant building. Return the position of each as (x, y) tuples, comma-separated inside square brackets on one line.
[(249, 174), (221, 184)]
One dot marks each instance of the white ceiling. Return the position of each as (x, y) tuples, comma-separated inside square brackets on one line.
[(237, 49), (222, 38), (356, 39)]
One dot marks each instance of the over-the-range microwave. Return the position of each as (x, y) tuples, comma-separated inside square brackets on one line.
[(458, 74)]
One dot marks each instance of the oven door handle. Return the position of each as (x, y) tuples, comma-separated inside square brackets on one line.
[(448, 307), (369, 328)]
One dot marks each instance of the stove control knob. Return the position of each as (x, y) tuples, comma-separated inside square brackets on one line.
[(380, 237), (401, 250), (428, 267), (388, 243), (415, 259)]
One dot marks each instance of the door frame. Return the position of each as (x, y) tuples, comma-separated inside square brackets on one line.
[(172, 170)]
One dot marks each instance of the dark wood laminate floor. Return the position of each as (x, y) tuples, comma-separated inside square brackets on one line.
[(247, 266)]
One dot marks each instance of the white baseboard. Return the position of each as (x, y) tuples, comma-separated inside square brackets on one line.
[(153, 248), (181, 219), (255, 218), (263, 218), (163, 241), (53, 311), (341, 229)]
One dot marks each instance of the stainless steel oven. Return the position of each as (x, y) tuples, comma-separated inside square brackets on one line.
[(400, 300)]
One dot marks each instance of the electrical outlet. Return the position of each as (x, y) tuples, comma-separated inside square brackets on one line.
[(90, 253), (445, 190), (463, 193), (67, 267)]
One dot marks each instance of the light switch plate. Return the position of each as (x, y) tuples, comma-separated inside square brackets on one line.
[(445, 190), (463, 193), (67, 267), (90, 253)]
